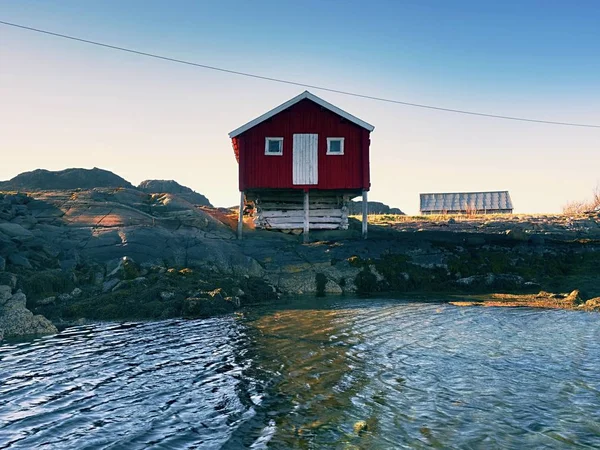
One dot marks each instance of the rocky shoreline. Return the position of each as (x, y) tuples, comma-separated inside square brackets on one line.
[(119, 253), (547, 300)]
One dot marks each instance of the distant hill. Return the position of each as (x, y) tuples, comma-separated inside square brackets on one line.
[(374, 208), (46, 180), (173, 187)]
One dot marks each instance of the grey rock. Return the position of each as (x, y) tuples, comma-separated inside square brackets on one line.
[(76, 292), (2, 264), (333, 288), (499, 280), (167, 295), (15, 230), (517, 235), (172, 187), (120, 270), (47, 301), (9, 279), (20, 260), (65, 297), (109, 285), (5, 293), (17, 320), (68, 264), (17, 300), (98, 278)]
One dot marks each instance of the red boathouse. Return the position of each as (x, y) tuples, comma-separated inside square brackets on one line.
[(301, 163)]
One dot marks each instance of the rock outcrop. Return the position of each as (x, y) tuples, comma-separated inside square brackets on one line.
[(120, 253), (16, 320), (76, 178), (173, 187), (355, 208)]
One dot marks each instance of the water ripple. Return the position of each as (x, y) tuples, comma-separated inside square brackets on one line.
[(420, 375)]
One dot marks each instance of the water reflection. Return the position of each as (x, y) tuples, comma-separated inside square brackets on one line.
[(316, 369), (302, 375)]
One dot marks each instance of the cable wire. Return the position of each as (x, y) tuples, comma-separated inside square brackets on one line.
[(294, 83)]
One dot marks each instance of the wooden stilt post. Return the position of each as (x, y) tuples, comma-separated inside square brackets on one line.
[(241, 216), (365, 214), (306, 216)]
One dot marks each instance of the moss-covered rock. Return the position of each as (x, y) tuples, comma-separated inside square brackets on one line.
[(366, 282)]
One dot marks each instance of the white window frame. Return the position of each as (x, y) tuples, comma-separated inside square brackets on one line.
[(267, 140), (341, 152)]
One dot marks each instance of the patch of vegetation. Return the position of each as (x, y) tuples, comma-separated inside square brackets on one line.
[(321, 282), (403, 276), (366, 282), (45, 284)]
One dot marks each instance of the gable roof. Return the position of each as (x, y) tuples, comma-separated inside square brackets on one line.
[(461, 201), (305, 95)]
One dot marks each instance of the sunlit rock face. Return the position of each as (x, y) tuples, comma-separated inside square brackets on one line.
[(173, 187)]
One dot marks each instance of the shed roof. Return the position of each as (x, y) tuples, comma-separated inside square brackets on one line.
[(460, 201), (293, 101)]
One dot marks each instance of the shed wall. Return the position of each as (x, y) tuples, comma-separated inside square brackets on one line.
[(347, 171)]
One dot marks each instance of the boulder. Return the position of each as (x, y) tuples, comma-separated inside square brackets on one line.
[(47, 301), (574, 297), (593, 304), (5, 293), (14, 230), (166, 295), (9, 279), (172, 187), (20, 260), (500, 281), (64, 297), (518, 235), (126, 269), (108, 285), (17, 320)]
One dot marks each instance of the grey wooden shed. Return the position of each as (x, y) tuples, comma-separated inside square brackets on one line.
[(494, 202)]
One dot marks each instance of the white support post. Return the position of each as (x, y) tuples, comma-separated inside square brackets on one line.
[(241, 216), (365, 214), (306, 216)]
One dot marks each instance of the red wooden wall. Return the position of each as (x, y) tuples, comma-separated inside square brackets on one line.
[(347, 171)]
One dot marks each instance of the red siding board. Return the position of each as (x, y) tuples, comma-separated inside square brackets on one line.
[(348, 171)]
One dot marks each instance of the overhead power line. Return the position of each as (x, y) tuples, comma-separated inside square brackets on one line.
[(295, 83)]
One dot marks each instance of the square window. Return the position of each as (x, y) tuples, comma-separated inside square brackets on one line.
[(335, 146), (274, 146)]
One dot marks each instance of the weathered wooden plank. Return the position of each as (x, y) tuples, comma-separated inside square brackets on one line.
[(300, 213), (295, 208), (300, 220), (295, 226)]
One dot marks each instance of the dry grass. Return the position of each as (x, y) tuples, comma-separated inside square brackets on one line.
[(581, 207), (381, 219)]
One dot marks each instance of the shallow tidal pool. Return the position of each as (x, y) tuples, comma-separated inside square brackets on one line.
[(303, 374)]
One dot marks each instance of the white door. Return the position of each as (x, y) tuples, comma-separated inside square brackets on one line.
[(306, 159)]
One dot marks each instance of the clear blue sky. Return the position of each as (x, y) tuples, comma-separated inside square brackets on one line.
[(68, 104)]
